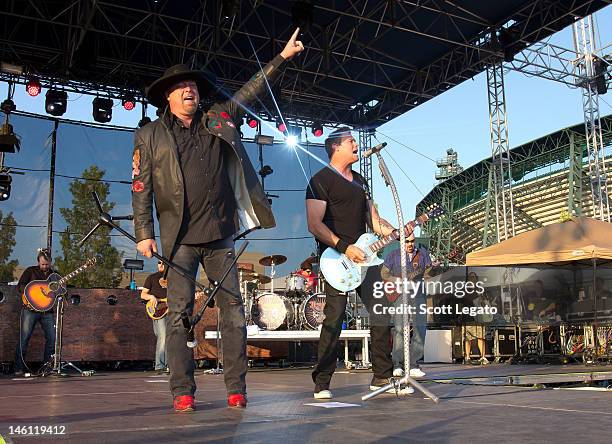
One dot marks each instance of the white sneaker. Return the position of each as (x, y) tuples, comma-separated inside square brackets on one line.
[(416, 373), (323, 394), (406, 390), (398, 373)]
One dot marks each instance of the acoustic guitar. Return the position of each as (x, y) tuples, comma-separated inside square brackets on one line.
[(42, 295)]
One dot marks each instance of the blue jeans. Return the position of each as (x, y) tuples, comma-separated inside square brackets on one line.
[(28, 321), (159, 328), (419, 329)]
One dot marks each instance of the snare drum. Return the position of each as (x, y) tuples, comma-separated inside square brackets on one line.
[(311, 311), (295, 282), (270, 311)]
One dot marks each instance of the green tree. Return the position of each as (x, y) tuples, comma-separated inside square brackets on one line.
[(80, 219), (7, 242)]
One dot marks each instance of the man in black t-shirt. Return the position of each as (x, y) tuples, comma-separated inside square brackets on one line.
[(30, 318), (153, 291), (339, 208)]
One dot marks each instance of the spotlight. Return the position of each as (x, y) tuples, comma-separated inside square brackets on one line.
[(291, 141), (229, 8), (266, 171), (252, 122), (55, 102), (102, 109), (317, 130), (75, 299), (281, 126), (128, 102), (8, 106), (33, 87), (9, 141), (111, 299), (5, 186), (144, 121)]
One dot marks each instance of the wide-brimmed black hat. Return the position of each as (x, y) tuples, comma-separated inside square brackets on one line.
[(206, 81)]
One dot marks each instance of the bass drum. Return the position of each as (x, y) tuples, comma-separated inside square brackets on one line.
[(271, 311), (311, 311)]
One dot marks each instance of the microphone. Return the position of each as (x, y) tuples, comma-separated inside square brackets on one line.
[(373, 150), (191, 341)]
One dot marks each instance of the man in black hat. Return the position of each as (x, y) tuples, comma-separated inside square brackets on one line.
[(206, 190)]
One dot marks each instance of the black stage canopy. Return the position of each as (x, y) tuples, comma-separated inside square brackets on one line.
[(366, 61)]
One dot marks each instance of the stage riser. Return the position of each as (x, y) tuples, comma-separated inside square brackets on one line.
[(97, 331)]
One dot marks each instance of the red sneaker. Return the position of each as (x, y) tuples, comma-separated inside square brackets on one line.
[(237, 400), (184, 404)]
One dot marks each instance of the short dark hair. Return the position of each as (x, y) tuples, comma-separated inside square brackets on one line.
[(336, 138), (44, 253)]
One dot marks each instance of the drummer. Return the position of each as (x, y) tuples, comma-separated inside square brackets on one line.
[(306, 272)]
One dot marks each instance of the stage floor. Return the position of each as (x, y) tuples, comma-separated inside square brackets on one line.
[(131, 407)]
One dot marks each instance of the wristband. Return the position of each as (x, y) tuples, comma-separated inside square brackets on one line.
[(341, 246)]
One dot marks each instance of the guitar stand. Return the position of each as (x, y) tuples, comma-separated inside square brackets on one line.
[(56, 360), (105, 219)]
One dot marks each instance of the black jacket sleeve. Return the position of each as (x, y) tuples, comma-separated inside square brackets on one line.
[(255, 89), (25, 279), (142, 189)]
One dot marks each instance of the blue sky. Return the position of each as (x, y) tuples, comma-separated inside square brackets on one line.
[(457, 119)]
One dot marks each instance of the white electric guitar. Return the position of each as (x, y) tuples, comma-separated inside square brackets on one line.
[(345, 275)]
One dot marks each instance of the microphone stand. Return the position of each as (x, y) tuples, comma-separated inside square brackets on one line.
[(105, 219), (395, 383)]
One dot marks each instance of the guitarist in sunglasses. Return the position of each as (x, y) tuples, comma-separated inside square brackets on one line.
[(153, 291), (29, 318)]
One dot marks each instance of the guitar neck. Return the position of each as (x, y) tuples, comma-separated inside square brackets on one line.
[(72, 274), (384, 241)]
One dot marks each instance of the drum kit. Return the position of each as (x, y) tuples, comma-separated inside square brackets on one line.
[(298, 306)]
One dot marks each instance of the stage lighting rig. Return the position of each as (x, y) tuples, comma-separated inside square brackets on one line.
[(252, 122), (55, 102), (128, 102), (8, 106), (5, 186), (33, 87), (102, 109), (9, 141), (280, 125), (291, 141), (317, 130), (266, 171)]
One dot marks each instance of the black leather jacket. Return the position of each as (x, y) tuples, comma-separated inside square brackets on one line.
[(157, 174)]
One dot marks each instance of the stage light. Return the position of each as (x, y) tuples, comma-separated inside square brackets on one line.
[(55, 102), (128, 102), (291, 141), (252, 122), (266, 171), (317, 130), (8, 106), (229, 8), (111, 299), (281, 126), (33, 87), (9, 142), (102, 109), (144, 121), (5, 186)]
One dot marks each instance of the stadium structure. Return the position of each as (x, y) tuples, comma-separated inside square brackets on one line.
[(550, 182)]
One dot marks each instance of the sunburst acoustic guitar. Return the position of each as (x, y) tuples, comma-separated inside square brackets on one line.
[(42, 295)]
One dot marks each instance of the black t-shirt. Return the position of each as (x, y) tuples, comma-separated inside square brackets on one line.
[(346, 214), (210, 206), (33, 273), (152, 284)]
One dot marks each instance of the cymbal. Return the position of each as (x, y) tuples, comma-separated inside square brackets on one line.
[(261, 278), (275, 259)]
